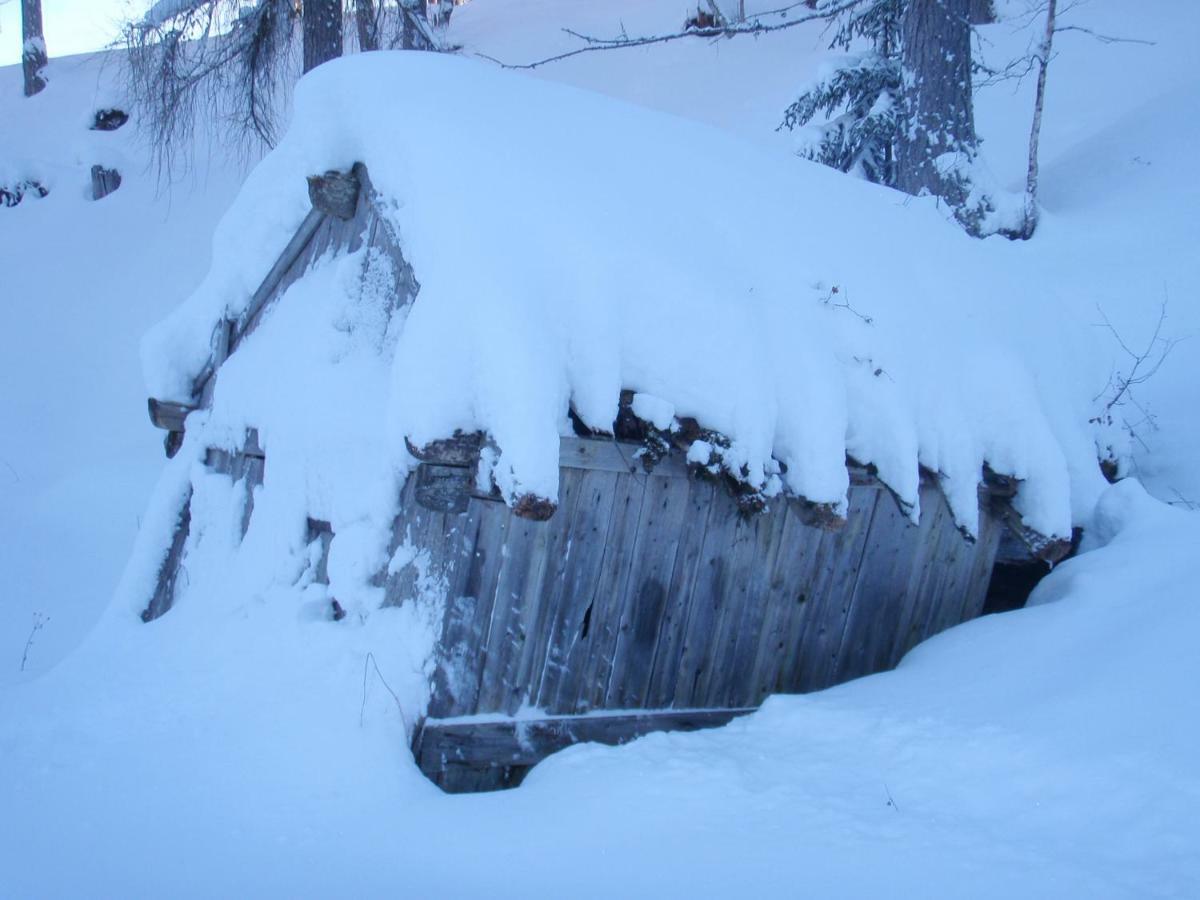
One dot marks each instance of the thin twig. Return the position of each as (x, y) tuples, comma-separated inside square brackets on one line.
[(891, 802), (844, 303), (370, 660), (1183, 501), (1104, 38), (39, 621), (1145, 363)]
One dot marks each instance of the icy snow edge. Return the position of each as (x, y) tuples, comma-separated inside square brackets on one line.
[(569, 245)]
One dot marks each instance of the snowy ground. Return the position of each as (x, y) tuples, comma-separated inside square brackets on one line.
[(231, 748)]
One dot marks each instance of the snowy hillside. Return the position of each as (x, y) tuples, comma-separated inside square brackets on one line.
[(242, 743)]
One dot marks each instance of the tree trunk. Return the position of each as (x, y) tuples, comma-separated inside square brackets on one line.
[(322, 32), (366, 20), (1035, 131), (940, 118), (33, 48), (444, 9), (414, 26), (408, 26), (983, 12)]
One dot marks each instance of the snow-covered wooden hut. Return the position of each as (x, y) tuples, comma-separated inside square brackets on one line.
[(634, 488)]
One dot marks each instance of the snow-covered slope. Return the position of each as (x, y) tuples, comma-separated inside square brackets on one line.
[(80, 282), (232, 745)]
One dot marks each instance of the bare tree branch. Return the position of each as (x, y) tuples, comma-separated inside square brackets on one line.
[(1104, 38), (754, 25), (1144, 364), (213, 56)]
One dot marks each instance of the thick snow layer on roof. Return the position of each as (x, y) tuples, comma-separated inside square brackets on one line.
[(569, 245)]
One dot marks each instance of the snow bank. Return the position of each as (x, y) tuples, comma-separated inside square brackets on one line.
[(569, 246), (1045, 753), (80, 282)]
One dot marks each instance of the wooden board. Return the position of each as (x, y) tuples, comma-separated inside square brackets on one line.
[(164, 591), (671, 641), (880, 592), (569, 627), (594, 654), (532, 613), (644, 603), (779, 650), (504, 742), (840, 556)]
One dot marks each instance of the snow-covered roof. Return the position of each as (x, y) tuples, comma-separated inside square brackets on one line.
[(569, 246)]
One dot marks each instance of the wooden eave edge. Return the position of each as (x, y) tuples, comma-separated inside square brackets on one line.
[(332, 194), (462, 451)]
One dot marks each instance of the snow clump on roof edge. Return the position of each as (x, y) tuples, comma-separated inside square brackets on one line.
[(569, 245)]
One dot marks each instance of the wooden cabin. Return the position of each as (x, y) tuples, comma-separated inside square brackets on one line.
[(654, 594)]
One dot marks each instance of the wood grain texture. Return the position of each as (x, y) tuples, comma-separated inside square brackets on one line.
[(596, 652), (569, 627), (671, 641), (644, 603)]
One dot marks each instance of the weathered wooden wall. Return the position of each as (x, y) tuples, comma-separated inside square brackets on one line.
[(650, 592)]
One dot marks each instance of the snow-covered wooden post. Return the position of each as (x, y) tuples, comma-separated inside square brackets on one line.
[(104, 181)]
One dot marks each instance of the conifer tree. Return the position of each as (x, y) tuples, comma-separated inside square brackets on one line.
[(901, 113), (859, 97)]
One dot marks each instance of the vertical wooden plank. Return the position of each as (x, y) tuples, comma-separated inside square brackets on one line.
[(463, 659), (985, 560), (708, 602), (456, 676), (522, 674), (680, 591), (841, 555), (664, 506), (804, 617), (954, 556), (760, 596), (600, 645), (569, 631), (732, 595), (877, 603), (933, 585), (506, 636), (964, 596), (923, 546), (790, 589)]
